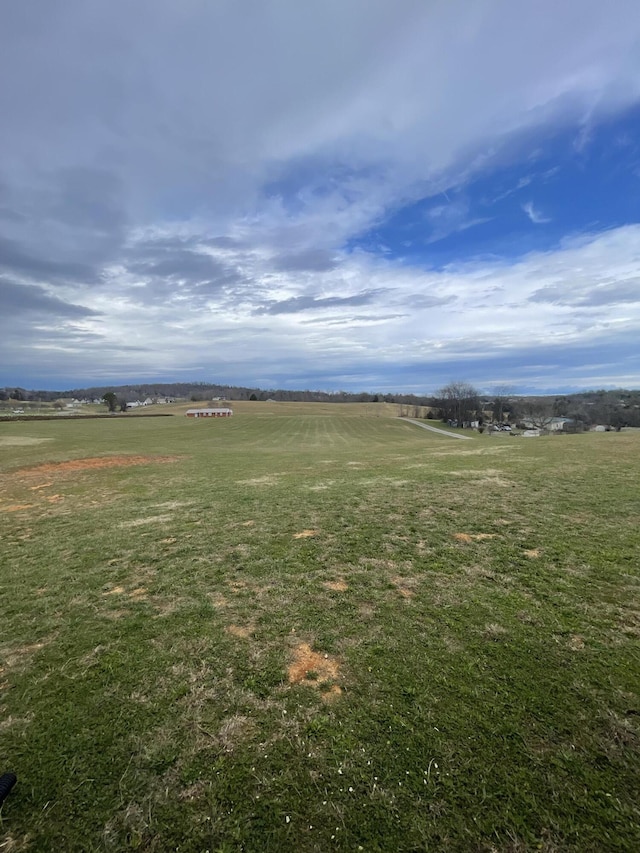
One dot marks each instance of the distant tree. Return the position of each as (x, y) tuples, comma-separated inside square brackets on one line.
[(123, 404), (253, 397), (110, 400), (458, 401), (501, 403), (539, 413), (561, 407)]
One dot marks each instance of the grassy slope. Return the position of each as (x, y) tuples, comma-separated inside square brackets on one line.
[(150, 613)]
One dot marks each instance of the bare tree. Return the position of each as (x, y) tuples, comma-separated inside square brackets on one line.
[(539, 413), (458, 401), (501, 402)]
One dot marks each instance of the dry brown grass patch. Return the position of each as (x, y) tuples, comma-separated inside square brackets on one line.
[(334, 692), (150, 519), (233, 730), (532, 553), (493, 631), (336, 586), (115, 590), (241, 631), (405, 586), (305, 534)]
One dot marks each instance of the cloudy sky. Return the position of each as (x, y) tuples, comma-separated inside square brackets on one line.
[(378, 195)]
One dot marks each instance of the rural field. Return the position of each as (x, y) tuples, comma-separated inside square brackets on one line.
[(315, 628)]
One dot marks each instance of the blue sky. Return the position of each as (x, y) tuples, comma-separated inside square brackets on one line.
[(363, 196), (560, 184)]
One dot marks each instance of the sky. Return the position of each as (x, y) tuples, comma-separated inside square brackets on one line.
[(360, 195)]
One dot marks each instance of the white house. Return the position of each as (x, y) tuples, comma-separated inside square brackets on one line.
[(209, 413)]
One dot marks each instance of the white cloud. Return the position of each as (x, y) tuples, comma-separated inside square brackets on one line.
[(268, 322), (535, 215)]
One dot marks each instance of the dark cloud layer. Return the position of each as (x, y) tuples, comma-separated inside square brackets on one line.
[(19, 299), (310, 303)]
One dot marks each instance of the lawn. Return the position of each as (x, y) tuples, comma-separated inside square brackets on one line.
[(311, 628)]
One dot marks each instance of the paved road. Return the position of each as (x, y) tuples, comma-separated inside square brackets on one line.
[(439, 431)]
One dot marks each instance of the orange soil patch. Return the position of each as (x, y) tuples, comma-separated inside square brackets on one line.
[(16, 507), (116, 590), (473, 537), (532, 552), (94, 462), (305, 534), (312, 668), (336, 586)]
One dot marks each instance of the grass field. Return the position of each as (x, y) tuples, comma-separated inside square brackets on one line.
[(313, 628)]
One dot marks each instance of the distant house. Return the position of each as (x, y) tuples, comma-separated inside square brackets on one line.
[(552, 425), (558, 424), (209, 413)]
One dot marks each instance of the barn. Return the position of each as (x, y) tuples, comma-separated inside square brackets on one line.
[(209, 413)]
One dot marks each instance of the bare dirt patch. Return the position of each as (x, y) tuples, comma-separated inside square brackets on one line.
[(473, 537), (116, 590), (93, 463), (576, 643), (312, 668), (532, 553), (16, 507), (336, 586), (305, 534)]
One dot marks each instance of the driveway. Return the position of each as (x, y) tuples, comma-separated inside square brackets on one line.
[(439, 431)]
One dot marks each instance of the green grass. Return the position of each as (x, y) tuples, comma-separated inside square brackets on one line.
[(468, 611)]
